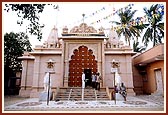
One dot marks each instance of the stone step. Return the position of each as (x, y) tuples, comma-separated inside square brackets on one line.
[(101, 92), (92, 96), (102, 99), (76, 94), (76, 90), (76, 99), (102, 95), (89, 92), (88, 99), (63, 94), (63, 99)]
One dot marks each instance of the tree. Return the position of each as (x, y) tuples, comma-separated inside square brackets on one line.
[(125, 26), (137, 48), (14, 46), (155, 26), (31, 13)]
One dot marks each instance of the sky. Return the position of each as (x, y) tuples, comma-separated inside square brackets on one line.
[(70, 15)]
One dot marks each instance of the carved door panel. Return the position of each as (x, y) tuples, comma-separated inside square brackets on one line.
[(81, 59)]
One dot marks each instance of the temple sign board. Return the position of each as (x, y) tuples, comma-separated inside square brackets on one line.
[(114, 70)]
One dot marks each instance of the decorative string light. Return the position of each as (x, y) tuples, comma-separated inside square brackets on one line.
[(134, 22)]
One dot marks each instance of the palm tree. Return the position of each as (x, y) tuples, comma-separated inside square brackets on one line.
[(155, 26), (137, 48), (126, 28)]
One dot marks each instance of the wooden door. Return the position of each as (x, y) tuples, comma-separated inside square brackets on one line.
[(81, 59)]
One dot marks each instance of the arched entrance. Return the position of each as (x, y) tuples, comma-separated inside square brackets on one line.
[(82, 60)]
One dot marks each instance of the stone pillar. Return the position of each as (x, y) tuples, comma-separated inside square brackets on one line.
[(35, 80), (99, 58), (23, 92), (129, 83), (102, 64), (62, 65), (66, 65), (24, 74), (66, 73)]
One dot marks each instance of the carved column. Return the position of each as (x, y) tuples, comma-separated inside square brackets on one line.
[(99, 57), (102, 64), (66, 66), (129, 82)]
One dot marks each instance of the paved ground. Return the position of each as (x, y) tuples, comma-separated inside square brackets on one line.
[(148, 103)]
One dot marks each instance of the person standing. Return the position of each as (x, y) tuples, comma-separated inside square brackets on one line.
[(114, 92), (98, 81), (94, 80), (123, 91), (83, 80)]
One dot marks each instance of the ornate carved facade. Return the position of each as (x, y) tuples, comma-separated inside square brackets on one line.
[(83, 28), (82, 49)]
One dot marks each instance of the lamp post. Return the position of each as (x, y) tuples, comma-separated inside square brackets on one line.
[(114, 90), (50, 63), (115, 66), (48, 89)]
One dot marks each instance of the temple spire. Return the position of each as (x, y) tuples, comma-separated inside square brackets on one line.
[(56, 7), (83, 23), (83, 17)]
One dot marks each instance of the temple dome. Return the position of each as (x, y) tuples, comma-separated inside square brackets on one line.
[(113, 36), (53, 36), (113, 40)]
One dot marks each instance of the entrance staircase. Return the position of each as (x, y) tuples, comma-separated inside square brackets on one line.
[(75, 94)]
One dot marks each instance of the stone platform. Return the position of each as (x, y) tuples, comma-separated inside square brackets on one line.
[(44, 95), (133, 104)]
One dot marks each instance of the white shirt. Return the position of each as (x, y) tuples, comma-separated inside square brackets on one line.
[(83, 77), (83, 80), (93, 78)]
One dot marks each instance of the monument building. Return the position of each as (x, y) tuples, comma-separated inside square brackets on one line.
[(80, 49)]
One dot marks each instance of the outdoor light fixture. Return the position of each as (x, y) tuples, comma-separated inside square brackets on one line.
[(50, 65), (114, 69)]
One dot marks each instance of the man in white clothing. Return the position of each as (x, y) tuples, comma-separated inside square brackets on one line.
[(83, 80)]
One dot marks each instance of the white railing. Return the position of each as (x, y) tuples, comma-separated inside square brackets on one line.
[(95, 95), (82, 94), (69, 94)]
